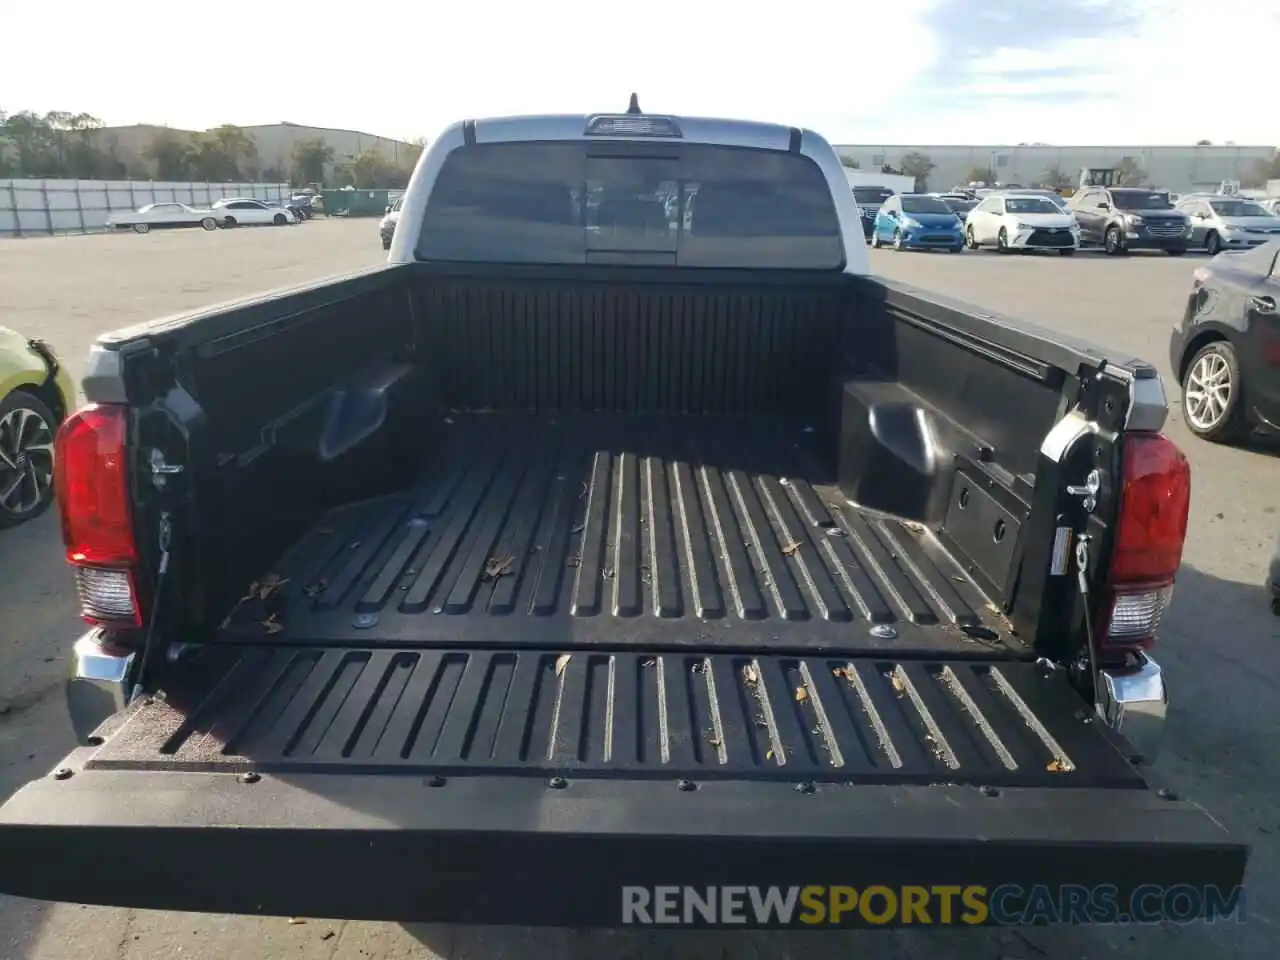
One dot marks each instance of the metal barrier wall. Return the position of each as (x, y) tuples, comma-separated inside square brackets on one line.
[(46, 207)]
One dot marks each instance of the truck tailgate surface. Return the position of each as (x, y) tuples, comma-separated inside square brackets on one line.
[(529, 786)]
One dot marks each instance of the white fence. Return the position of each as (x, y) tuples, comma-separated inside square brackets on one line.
[(43, 207)]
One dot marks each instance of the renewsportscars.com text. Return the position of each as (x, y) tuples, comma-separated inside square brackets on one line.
[(939, 905)]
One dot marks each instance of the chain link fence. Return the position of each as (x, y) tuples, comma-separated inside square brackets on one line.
[(48, 207)]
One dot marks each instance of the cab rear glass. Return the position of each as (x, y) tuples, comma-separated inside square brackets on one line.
[(687, 205)]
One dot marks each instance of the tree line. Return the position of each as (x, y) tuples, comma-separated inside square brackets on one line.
[(63, 145)]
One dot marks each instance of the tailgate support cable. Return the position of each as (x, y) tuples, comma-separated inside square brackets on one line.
[(1082, 571), (166, 538)]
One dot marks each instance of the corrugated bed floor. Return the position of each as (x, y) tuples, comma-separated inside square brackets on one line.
[(594, 531)]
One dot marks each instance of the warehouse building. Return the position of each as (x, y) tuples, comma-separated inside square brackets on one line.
[(1180, 169), (275, 142)]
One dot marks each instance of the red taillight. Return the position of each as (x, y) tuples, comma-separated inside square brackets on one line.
[(92, 485), (1155, 499)]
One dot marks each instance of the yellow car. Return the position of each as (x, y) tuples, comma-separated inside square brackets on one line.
[(35, 396)]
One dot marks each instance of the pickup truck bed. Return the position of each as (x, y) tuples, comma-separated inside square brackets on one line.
[(581, 531)]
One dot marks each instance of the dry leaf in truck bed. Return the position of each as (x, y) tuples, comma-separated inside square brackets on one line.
[(500, 566), (840, 672), (293, 921), (801, 694), (562, 661), (899, 685), (1056, 766), (267, 587), (768, 754), (314, 590), (750, 673), (790, 548), (272, 625)]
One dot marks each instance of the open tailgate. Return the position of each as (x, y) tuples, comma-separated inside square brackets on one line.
[(531, 787)]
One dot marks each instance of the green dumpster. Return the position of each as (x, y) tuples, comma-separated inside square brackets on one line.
[(355, 203)]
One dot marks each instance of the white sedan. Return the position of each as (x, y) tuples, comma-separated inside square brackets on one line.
[(163, 216), (245, 211), (1011, 221)]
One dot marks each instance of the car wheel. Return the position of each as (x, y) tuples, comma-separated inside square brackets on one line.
[(1069, 252), (1213, 244), (1002, 240), (969, 240), (386, 244), (898, 242), (1211, 402), (26, 458), (230, 222), (141, 227), (280, 220), (209, 223), (1112, 242)]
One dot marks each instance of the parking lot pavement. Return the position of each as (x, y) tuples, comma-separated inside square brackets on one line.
[(1219, 642)]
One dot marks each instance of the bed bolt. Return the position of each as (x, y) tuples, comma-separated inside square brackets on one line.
[(805, 787), (688, 786), (63, 773), (364, 621), (250, 777), (557, 783), (988, 791), (435, 781), (1164, 793)]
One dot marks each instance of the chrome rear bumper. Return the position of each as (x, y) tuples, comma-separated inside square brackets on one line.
[(1134, 701), (99, 685)]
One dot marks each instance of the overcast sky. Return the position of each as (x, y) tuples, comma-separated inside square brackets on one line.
[(896, 71)]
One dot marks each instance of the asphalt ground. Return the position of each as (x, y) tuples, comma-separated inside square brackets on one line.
[(1218, 645)]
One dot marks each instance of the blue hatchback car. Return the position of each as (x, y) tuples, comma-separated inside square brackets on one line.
[(916, 221)]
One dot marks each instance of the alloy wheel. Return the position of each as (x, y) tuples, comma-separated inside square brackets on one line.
[(1208, 392), (26, 460)]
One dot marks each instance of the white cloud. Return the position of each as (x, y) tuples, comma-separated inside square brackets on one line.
[(856, 72), (1188, 69), (409, 68)]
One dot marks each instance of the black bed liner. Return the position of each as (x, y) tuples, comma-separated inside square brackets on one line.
[(618, 714), (605, 530)]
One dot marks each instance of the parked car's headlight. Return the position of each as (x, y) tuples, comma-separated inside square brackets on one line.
[(1135, 220)]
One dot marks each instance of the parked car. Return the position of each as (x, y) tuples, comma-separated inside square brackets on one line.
[(35, 396), (918, 221), (1226, 350), (869, 200), (959, 204), (1121, 219), (1016, 222), (163, 216), (559, 562), (303, 205), (1229, 223), (246, 211), (387, 228)]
